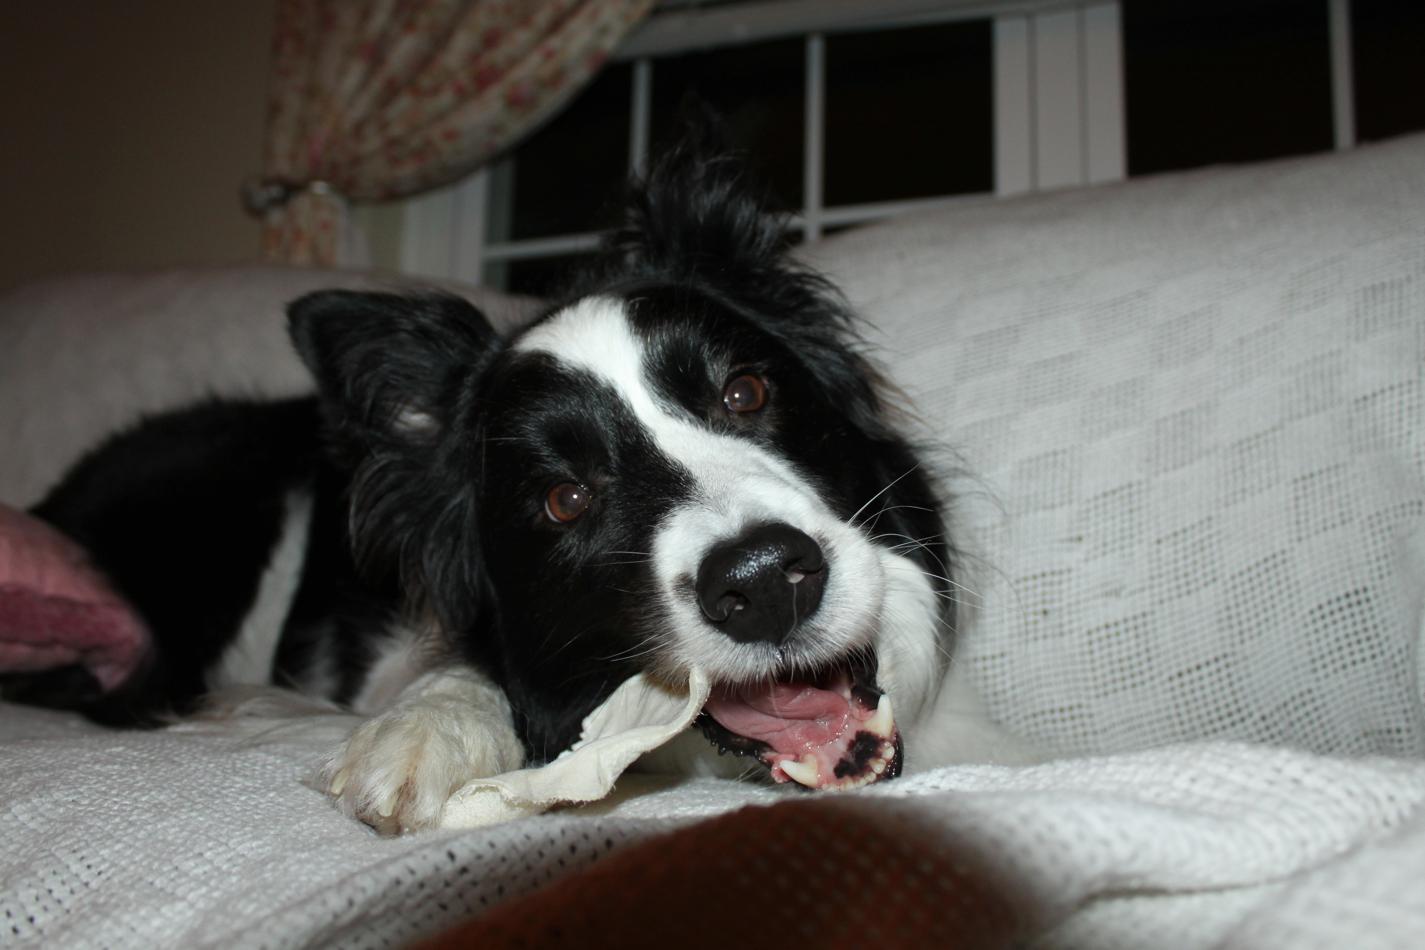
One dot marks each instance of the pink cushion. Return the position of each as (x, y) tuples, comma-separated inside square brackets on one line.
[(57, 610)]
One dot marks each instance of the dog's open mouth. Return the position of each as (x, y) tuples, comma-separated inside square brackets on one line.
[(833, 730)]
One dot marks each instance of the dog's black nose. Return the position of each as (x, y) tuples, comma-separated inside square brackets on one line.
[(761, 585)]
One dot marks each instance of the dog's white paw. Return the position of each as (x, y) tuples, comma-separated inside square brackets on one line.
[(397, 769)]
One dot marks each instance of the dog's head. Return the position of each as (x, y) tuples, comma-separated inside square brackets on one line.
[(686, 463)]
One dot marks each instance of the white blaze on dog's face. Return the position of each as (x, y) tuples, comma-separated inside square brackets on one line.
[(771, 553)]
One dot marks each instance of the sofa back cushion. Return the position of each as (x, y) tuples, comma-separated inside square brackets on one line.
[(81, 357), (1189, 419)]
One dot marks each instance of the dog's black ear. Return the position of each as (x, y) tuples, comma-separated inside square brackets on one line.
[(395, 373), (390, 366)]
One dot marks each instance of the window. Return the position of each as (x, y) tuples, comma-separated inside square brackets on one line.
[(1224, 81), (1242, 80), (1389, 56), (862, 109), (842, 129), (908, 113)]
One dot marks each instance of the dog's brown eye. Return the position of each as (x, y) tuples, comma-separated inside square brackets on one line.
[(745, 394), (566, 501)]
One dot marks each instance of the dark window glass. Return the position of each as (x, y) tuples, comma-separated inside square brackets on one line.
[(909, 113), (1210, 81), (759, 92), (568, 173), (1388, 37), (536, 276)]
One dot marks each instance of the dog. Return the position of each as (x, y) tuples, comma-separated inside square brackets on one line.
[(472, 539)]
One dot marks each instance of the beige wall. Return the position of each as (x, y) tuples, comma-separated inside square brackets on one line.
[(126, 128)]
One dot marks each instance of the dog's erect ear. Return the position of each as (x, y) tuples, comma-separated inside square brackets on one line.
[(394, 373), (390, 366)]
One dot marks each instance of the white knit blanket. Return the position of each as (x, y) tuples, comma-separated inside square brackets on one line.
[(1191, 413), (207, 838)]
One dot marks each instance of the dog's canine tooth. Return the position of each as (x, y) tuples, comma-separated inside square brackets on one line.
[(883, 723), (802, 772)]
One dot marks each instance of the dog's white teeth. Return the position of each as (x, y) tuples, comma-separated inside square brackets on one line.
[(802, 772), (883, 723), (849, 784), (878, 766)]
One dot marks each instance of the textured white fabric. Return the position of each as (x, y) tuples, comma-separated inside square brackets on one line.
[(83, 356), (1190, 410), (206, 837), (1192, 414), (638, 717)]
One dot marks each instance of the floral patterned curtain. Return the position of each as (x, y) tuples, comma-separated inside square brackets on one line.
[(380, 99)]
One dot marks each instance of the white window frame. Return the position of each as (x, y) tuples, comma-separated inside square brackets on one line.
[(1058, 113)]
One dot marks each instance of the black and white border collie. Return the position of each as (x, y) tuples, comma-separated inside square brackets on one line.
[(474, 539)]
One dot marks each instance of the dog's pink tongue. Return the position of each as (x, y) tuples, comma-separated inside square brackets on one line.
[(818, 737), (792, 718)]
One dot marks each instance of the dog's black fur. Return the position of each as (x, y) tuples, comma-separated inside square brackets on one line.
[(182, 513)]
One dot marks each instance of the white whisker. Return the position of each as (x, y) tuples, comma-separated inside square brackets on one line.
[(852, 520)]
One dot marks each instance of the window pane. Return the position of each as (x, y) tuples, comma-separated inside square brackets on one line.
[(567, 176), (909, 113), (1224, 81), (1389, 54), (760, 92), (535, 276)]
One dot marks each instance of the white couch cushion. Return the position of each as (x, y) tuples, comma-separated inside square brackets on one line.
[(1189, 412), (83, 356)]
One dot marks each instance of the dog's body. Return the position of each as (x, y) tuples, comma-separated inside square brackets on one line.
[(474, 540)]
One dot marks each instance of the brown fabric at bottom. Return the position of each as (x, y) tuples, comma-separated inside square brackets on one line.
[(796, 874)]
